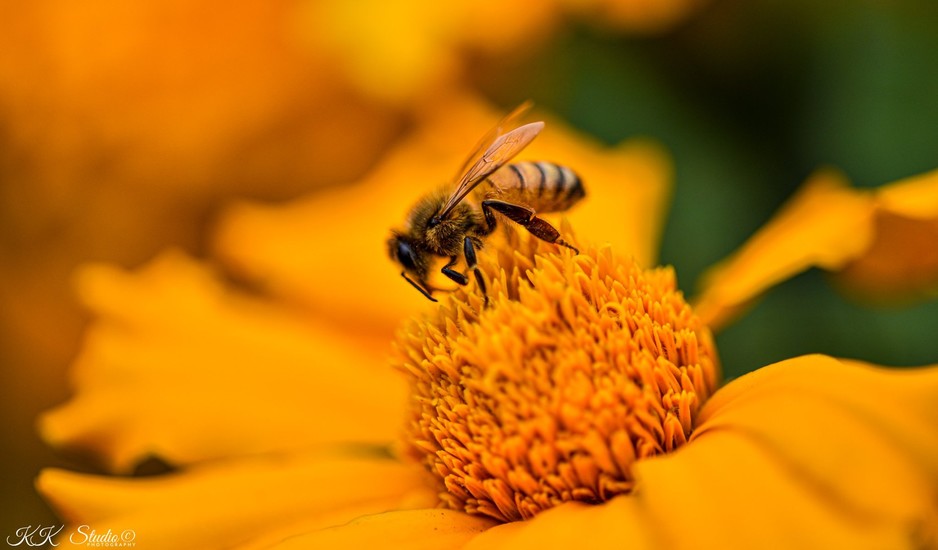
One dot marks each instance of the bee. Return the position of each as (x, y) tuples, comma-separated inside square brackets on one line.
[(443, 224)]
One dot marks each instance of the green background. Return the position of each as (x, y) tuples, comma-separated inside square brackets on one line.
[(750, 98)]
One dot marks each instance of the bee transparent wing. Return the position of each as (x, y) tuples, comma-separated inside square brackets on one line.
[(509, 121), (502, 149)]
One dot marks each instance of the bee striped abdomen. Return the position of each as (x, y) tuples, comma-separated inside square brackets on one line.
[(544, 186)]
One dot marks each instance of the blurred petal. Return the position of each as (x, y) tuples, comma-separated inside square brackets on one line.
[(180, 97), (621, 522), (406, 50), (429, 529), (180, 366), (826, 224), (236, 502), (642, 16), (902, 262), (879, 243), (328, 252)]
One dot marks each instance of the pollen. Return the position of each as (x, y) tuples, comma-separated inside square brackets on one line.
[(579, 366)]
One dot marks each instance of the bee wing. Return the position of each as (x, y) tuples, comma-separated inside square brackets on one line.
[(510, 121), (501, 150)]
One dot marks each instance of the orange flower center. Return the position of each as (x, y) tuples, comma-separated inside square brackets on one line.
[(579, 366)]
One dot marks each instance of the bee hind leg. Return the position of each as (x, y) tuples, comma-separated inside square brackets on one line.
[(526, 218)]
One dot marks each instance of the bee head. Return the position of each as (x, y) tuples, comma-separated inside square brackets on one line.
[(402, 251)]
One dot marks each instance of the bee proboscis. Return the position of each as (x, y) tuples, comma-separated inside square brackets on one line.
[(443, 225)]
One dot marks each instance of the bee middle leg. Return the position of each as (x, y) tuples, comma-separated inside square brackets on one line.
[(526, 218), (469, 252)]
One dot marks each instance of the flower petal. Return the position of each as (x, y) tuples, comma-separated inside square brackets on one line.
[(879, 243), (902, 262), (621, 522), (863, 439), (180, 366), (412, 529), (826, 224), (809, 453), (406, 51), (726, 490), (635, 16), (309, 249), (236, 502)]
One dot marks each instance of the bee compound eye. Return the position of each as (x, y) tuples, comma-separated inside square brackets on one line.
[(405, 254)]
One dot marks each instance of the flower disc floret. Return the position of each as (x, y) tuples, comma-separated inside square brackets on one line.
[(579, 366)]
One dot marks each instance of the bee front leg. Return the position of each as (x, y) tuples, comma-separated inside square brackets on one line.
[(469, 252), (525, 217), (416, 285)]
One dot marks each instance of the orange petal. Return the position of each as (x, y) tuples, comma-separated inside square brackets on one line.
[(897, 402), (429, 529), (329, 253), (236, 502), (410, 50), (864, 439), (826, 224), (726, 490), (902, 262), (621, 522), (636, 16), (180, 366)]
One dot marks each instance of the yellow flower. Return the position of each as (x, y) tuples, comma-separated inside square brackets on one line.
[(583, 399), (878, 243)]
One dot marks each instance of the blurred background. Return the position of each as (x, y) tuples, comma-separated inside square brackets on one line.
[(126, 128)]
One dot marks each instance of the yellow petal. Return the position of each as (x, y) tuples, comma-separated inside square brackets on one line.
[(180, 366), (238, 502), (410, 50), (864, 439), (329, 253), (637, 16), (429, 529), (897, 403), (726, 490), (622, 522), (826, 224), (902, 261), (915, 197)]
